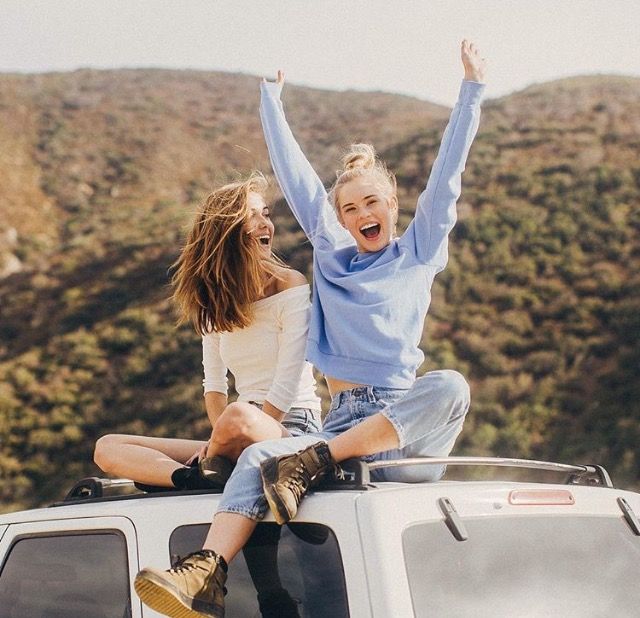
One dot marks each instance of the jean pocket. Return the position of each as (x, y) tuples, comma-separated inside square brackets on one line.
[(299, 421)]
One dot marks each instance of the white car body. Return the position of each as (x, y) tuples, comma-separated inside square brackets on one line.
[(451, 548)]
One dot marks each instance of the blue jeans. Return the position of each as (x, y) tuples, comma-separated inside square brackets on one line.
[(427, 418), (300, 421)]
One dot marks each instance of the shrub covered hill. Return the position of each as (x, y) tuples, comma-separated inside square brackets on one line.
[(100, 172)]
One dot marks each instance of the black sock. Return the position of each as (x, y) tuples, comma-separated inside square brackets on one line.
[(189, 478), (182, 478)]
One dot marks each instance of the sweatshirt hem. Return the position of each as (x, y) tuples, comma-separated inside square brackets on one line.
[(371, 373)]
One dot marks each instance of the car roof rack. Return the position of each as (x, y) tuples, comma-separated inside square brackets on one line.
[(94, 487), (352, 474), (356, 474), (97, 489)]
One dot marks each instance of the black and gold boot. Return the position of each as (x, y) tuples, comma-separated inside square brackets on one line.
[(216, 470), (192, 588), (286, 479)]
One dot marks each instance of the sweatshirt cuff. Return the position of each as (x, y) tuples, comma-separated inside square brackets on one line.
[(470, 92), (271, 89)]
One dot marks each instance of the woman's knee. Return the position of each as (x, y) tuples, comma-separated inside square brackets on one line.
[(235, 421), (451, 387), (105, 450), (456, 386)]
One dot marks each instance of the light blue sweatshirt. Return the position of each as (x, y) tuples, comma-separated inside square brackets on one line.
[(368, 309)]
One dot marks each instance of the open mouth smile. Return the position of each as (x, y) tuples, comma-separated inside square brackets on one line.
[(370, 230), (264, 240)]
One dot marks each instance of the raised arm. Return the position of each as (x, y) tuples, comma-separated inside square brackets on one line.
[(436, 209), (298, 181)]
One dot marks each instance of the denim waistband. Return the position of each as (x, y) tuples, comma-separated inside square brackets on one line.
[(363, 393)]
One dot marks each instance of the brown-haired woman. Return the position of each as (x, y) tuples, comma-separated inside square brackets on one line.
[(252, 312)]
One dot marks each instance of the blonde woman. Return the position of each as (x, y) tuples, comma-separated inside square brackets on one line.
[(252, 312)]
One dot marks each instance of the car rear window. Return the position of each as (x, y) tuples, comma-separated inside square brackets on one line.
[(66, 576), (294, 568), (524, 566)]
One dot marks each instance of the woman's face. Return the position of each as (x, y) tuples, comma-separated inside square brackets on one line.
[(258, 224), (369, 212)]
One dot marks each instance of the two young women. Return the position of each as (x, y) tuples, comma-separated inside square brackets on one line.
[(371, 294)]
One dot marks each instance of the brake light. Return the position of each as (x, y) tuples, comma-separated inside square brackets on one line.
[(541, 496)]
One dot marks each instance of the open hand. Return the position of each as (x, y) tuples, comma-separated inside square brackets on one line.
[(474, 64)]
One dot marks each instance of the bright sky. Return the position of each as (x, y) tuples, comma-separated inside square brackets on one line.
[(405, 46)]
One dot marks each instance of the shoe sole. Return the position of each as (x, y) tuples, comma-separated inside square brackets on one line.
[(214, 483), (269, 471), (155, 595), (218, 481)]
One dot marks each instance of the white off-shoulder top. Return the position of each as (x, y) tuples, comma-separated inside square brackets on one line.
[(267, 357)]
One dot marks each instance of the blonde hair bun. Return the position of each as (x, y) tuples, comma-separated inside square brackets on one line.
[(359, 161), (361, 156)]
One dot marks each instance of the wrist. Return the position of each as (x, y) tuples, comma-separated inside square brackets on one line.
[(473, 76)]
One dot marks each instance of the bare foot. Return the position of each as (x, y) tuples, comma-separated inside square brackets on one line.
[(474, 65)]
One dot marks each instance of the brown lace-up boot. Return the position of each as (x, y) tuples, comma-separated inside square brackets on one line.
[(286, 479), (192, 588), (216, 470)]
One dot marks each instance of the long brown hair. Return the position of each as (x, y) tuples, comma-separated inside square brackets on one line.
[(220, 272)]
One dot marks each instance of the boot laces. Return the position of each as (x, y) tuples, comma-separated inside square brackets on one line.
[(188, 564), (299, 480), (339, 473)]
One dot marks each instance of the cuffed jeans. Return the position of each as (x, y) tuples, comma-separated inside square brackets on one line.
[(427, 418)]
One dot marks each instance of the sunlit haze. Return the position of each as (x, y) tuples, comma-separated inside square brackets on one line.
[(408, 47)]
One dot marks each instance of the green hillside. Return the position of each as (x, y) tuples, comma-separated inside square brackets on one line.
[(101, 170)]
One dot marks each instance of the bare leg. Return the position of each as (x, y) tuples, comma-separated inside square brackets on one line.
[(373, 435), (228, 534), (153, 460), (143, 459), (240, 425)]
